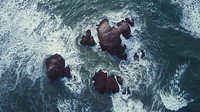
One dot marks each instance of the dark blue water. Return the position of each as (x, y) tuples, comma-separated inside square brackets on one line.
[(166, 80)]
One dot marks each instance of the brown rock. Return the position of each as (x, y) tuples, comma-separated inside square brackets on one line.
[(87, 39), (55, 67), (131, 22), (104, 84), (109, 38)]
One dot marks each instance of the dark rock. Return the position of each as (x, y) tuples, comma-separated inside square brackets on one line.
[(124, 28), (119, 80), (100, 81), (112, 84), (109, 37), (55, 67), (136, 57), (104, 84), (87, 39), (131, 22), (67, 72), (126, 91), (143, 54)]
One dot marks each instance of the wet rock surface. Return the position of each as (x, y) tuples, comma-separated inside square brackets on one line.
[(104, 84), (55, 67)]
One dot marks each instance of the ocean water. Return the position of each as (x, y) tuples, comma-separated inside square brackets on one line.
[(166, 80)]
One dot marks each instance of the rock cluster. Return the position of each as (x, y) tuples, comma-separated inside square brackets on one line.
[(109, 37), (110, 41), (104, 84)]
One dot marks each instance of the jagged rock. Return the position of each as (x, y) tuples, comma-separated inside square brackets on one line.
[(67, 72), (143, 54), (124, 28), (109, 37), (131, 22), (112, 84), (100, 80), (104, 84), (136, 57), (87, 39), (55, 67)]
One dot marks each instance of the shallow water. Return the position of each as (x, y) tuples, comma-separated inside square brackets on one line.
[(165, 80)]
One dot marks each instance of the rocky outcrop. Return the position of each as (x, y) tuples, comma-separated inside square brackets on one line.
[(130, 22), (87, 39), (124, 28), (55, 67), (104, 84), (109, 37)]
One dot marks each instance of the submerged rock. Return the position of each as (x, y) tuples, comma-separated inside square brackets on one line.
[(136, 57), (87, 39), (104, 84), (55, 67), (143, 53), (67, 72), (109, 37)]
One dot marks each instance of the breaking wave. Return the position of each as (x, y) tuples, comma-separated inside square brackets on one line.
[(28, 35), (175, 98), (190, 16)]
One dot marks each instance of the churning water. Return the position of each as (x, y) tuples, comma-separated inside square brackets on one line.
[(165, 80)]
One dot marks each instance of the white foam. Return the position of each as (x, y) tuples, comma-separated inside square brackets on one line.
[(122, 103), (29, 36), (173, 102), (33, 35), (113, 17), (67, 105), (74, 84), (190, 15), (72, 105), (133, 73), (175, 98)]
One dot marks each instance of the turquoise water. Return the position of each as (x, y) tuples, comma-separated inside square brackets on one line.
[(166, 80)]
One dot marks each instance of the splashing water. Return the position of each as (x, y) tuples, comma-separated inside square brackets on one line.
[(175, 98), (122, 103), (135, 74), (28, 36), (190, 15)]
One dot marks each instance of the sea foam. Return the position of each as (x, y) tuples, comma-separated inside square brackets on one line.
[(67, 105), (123, 103), (28, 36), (134, 73), (190, 16), (175, 98), (72, 105)]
